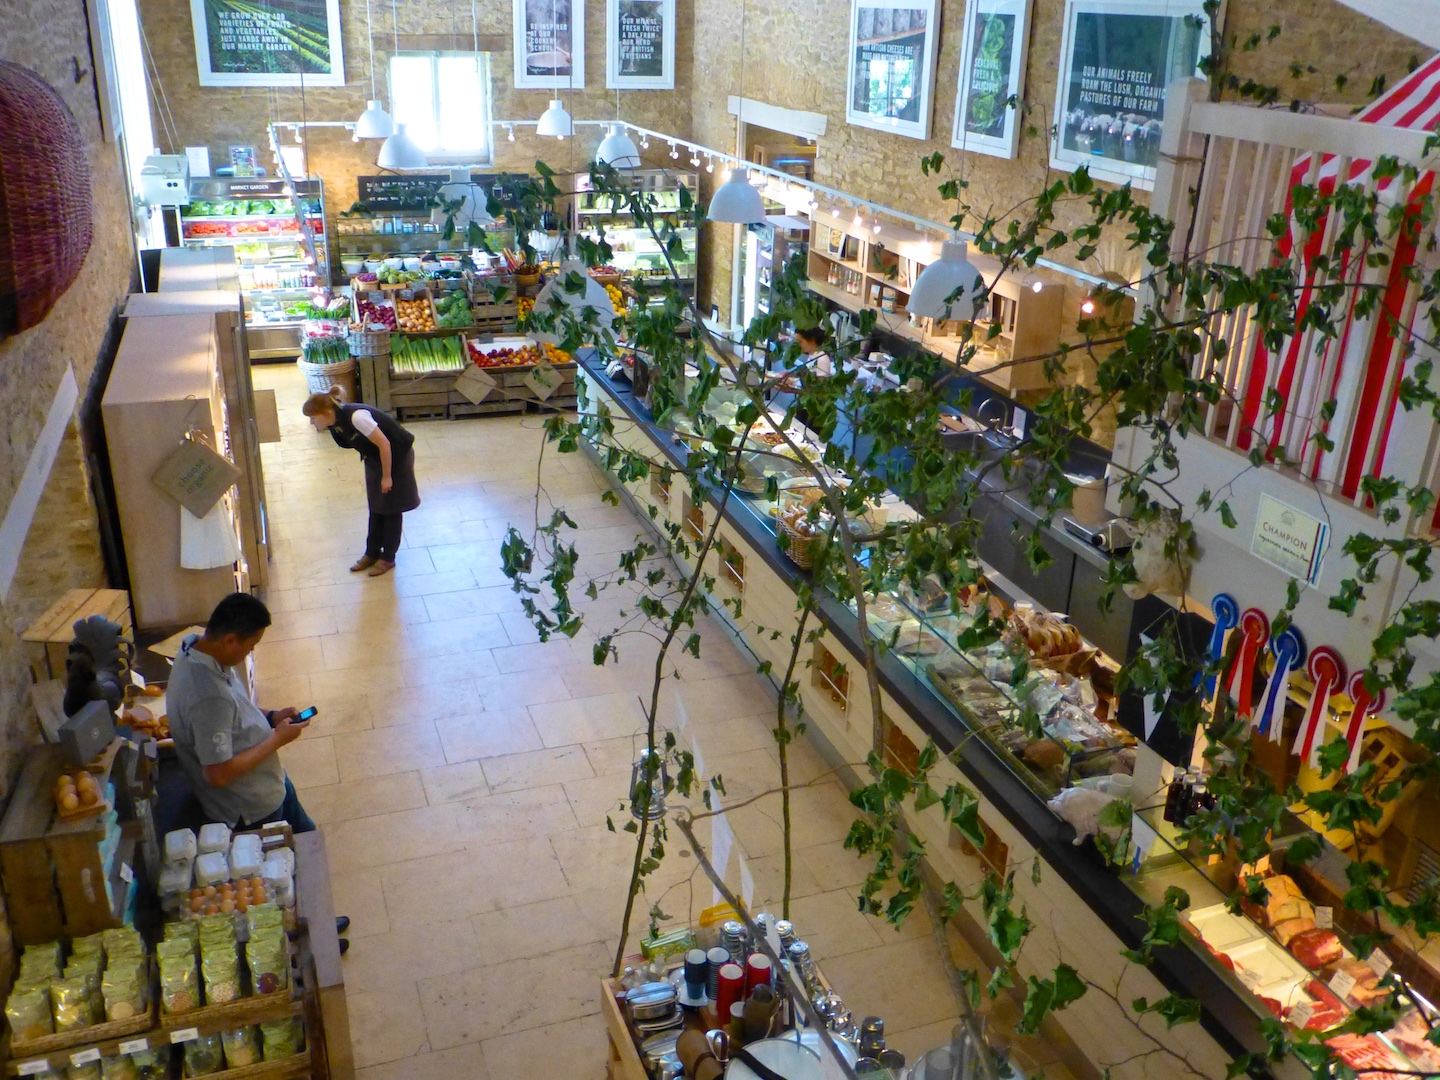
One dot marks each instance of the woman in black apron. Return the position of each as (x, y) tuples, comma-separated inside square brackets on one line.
[(388, 452)]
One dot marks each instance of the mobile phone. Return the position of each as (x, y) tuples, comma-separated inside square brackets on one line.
[(308, 714)]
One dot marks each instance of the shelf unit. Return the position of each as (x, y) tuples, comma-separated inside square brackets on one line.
[(636, 253), (280, 243), (856, 269)]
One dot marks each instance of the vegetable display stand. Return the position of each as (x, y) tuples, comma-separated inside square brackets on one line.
[(50, 635), (59, 1048), (67, 879)]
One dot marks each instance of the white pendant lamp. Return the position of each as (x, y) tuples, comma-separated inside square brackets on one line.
[(618, 150), (952, 276), (737, 202), (472, 209), (555, 296), (400, 151), (374, 122), (555, 122)]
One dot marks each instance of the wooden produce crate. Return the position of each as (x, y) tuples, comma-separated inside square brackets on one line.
[(420, 296), (53, 875), (374, 372), (58, 1050), (50, 635), (623, 1060)]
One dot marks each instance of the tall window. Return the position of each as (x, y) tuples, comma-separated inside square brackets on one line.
[(443, 98)]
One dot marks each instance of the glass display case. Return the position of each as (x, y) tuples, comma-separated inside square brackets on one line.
[(1299, 956), (636, 253), (280, 245)]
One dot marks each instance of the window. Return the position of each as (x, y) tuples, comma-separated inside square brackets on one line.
[(443, 98)]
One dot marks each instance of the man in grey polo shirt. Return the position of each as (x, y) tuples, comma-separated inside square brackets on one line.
[(227, 747)]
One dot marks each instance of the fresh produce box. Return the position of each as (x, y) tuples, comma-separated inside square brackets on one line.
[(421, 356), (515, 352), (372, 309), (325, 350), (413, 311), (452, 310)]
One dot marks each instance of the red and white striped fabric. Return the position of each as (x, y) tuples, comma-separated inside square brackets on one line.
[(1414, 102)]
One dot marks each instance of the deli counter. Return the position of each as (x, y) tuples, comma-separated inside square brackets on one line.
[(1026, 719)]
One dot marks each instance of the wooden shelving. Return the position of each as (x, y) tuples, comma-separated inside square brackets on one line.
[(891, 261)]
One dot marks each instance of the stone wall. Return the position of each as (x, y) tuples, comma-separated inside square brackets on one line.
[(218, 117), (796, 56), (62, 547)]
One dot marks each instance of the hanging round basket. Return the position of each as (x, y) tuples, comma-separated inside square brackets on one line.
[(45, 198)]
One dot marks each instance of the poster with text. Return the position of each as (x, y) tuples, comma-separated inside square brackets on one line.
[(1117, 58), (549, 44), (992, 76), (892, 65), (278, 43), (640, 44)]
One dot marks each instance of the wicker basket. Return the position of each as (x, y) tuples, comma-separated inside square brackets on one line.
[(801, 548), (369, 342), (321, 377), (45, 198)]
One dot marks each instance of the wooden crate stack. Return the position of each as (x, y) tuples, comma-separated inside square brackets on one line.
[(156, 1030), (50, 635), (54, 873), (493, 316)]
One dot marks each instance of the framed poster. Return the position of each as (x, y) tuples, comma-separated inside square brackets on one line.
[(892, 65), (992, 76), (1116, 59), (549, 44), (640, 44), (278, 44)]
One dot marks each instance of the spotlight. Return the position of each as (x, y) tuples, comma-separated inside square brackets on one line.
[(875, 228), (645, 142), (510, 132), (709, 164), (1088, 307), (1037, 286), (674, 152), (694, 161)]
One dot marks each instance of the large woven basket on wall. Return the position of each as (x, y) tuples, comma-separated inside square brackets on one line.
[(45, 203)]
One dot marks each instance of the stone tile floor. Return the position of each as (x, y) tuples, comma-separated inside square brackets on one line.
[(463, 772)]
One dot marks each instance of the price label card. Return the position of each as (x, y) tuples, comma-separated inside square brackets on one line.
[(84, 1057), (33, 1068), (1300, 1015), (184, 1035), (1324, 918), (126, 874), (1249, 978), (1379, 962), (135, 1046), (1342, 984)]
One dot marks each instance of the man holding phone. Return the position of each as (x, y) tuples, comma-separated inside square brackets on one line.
[(227, 747)]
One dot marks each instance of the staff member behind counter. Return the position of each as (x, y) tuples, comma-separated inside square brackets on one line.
[(227, 747)]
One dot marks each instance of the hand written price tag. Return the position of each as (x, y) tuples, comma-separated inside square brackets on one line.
[(1324, 918), (475, 385), (1300, 1015), (184, 1035), (1342, 984), (1379, 962), (135, 1046), (1249, 978), (33, 1068), (84, 1057)]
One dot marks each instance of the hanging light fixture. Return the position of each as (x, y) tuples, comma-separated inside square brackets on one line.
[(561, 292), (374, 122), (736, 201), (555, 122), (471, 196), (945, 289), (618, 150), (400, 151), (648, 783)]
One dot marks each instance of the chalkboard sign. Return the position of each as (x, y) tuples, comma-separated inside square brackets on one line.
[(399, 192)]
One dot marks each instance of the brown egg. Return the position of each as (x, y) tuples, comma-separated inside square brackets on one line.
[(227, 906), (242, 905), (259, 896), (69, 802), (257, 883), (195, 893), (197, 903), (227, 889), (211, 892)]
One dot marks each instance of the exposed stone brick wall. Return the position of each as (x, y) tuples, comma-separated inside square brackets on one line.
[(218, 117), (61, 550), (796, 57)]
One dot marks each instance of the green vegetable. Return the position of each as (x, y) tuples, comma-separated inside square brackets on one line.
[(325, 350)]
